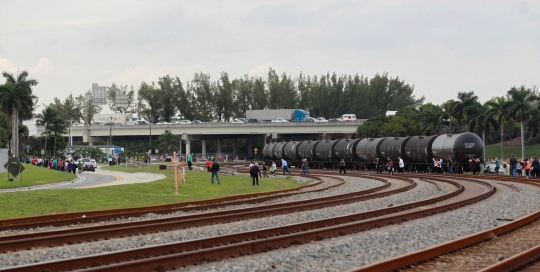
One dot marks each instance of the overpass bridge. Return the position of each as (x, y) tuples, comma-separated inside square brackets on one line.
[(209, 131)]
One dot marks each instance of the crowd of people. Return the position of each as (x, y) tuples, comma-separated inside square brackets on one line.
[(66, 165), (529, 167)]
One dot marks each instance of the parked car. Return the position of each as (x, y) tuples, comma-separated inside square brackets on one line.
[(238, 121), (490, 168), (320, 120), (183, 122), (280, 120), (196, 122), (253, 120), (309, 119)]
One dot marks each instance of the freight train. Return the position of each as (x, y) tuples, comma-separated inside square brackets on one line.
[(416, 151)]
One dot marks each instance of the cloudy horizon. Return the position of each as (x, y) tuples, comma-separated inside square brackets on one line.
[(439, 47)]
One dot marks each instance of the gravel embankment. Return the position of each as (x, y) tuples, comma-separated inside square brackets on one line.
[(422, 191)]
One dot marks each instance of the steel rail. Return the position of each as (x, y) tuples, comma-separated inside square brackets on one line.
[(515, 262), (77, 235), (173, 258)]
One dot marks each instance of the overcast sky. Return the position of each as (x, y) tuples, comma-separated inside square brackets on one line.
[(440, 47)]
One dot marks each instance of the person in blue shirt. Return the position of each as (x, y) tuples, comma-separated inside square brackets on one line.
[(285, 167), (497, 165)]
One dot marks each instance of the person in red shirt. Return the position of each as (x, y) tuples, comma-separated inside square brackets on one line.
[(208, 164)]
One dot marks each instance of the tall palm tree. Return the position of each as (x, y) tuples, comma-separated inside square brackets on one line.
[(16, 97), (46, 118), (496, 108), (168, 142), (432, 116), (58, 127), (465, 107), (482, 122), (533, 124), (519, 108)]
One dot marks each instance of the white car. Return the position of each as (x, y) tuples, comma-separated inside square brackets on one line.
[(78, 125), (183, 122), (237, 121), (280, 120), (320, 120), (163, 123)]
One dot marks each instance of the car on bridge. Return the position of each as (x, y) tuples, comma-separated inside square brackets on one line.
[(163, 123), (280, 120), (320, 120), (183, 122), (196, 122), (309, 120), (238, 121)]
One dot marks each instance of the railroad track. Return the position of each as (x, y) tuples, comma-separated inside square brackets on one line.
[(204, 250)]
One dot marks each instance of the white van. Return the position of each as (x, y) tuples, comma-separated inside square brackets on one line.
[(347, 118)]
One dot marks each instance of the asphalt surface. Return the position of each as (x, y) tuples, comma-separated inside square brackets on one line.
[(94, 179)]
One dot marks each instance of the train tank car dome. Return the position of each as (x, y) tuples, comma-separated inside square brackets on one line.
[(290, 150), (461, 147), (306, 149), (394, 147), (368, 149), (346, 149), (418, 148), (278, 150), (268, 151)]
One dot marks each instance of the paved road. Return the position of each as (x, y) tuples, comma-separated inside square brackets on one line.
[(95, 179)]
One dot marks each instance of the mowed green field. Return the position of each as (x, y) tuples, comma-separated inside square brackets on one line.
[(494, 151), (33, 175), (197, 187)]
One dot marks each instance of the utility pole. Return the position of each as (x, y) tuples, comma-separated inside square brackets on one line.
[(150, 138), (110, 133), (70, 138)]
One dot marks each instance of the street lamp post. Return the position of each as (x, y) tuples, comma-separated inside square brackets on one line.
[(150, 138), (70, 137)]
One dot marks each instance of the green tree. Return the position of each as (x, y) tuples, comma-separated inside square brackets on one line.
[(168, 142), (151, 96), (59, 127), (465, 107), (497, 109), (482, 122), (47, 118), (519, 107), (5, 128), (431, 116), (16, 97), (87, 108), (120, 99), (371, 128)]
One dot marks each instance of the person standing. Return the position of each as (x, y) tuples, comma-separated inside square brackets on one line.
[(305, 166), (342, 166), (535, 167), (189, 161), (390, 166), (497, 165), (215, 169), (255, 173), (264, 168), (513, 165), (378, 166), (79, 165), (527, 167), (450, 165), (208, 164), (285, 167), (401, 165)]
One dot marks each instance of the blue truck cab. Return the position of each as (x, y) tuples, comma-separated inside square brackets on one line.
[(299, 115)]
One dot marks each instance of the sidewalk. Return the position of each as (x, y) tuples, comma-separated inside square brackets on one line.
[(127, 178)]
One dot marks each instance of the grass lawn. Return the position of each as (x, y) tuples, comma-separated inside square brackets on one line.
[(493, 151), (198, 186), (33, 175)]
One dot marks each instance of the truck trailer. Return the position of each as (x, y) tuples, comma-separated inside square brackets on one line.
[(293, 115)]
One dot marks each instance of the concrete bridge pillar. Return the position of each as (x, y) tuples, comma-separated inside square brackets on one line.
[(203, 143), (250, 148), (180, 146), (218, 148), (126, 146), (145, 146), (234, 148)]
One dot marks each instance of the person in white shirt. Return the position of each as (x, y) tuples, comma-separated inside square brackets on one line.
[(401, 165)]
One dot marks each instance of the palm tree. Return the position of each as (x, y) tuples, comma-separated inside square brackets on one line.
[(496, 108), (16, 97), (519, 108), (168, 142), (46, 118), (58, 127), (481, 122), (432, 116), (534, 121), (465, 107)]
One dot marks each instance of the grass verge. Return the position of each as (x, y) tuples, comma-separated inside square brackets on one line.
[(198, 186), (33, 175)]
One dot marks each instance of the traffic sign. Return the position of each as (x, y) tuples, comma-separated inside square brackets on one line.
[(255, 150), (14, 167)]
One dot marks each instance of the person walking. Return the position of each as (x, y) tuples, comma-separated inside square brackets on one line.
[(401, 165), (378, 166), (527, 167), (535, 167), (273, 169), (255, 173), (285, 167), (306, 167), (215, 169), (189, 161), (264, 170), (513, 166), (79, 165), (390, 166), (497, 165), (342, 166)]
